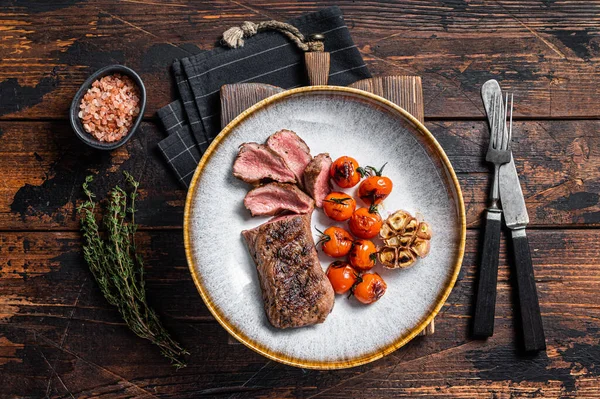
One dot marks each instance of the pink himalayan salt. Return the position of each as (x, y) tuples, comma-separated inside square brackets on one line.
[(109, 108)]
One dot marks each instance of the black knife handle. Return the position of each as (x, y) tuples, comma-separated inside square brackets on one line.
[(485, 305), (534, 339)]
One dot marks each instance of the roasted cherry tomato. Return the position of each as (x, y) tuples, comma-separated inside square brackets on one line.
[(339, 206), (375, 188), (341, 276), (370, 288), (345, 172), (336, 242), (365, 222), (363, 255)]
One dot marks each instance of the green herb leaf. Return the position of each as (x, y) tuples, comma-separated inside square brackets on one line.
[(118, 268)]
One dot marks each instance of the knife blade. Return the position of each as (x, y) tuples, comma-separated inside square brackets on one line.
[(515, 214), (516, 219)]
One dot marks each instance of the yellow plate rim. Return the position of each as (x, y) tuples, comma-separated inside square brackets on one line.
[(261, 348)]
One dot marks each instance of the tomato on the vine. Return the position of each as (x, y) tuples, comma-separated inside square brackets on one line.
[(339, 206), (335, 241), (345, 172), (365, 222), (370, 288), (363, 255), (341, 276), (375, 188)]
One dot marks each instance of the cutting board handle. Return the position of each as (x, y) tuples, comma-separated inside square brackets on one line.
[(317, 62), (317, 67)]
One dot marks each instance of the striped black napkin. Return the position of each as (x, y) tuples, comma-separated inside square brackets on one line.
[(192, 121)]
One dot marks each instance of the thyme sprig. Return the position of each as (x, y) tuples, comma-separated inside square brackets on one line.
[(117, 267)]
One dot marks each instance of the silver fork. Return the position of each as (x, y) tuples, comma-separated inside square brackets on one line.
[(499, 148), (499, 153)]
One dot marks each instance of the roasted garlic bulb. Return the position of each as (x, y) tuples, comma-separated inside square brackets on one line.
[(405, 240)]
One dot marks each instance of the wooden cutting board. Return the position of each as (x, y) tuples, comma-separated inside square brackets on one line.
[(405, 91)]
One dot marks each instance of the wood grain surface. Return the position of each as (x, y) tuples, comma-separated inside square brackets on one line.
[(405, 91), (60, 339), (545, 51), (43, 166), (236, 98), (56, 326), (317, 67)]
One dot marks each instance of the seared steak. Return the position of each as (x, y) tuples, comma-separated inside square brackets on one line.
[(256, 163), (295, 290), (292, 149), (316, 178), (274, 198)]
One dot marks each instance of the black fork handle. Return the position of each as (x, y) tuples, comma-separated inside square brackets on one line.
[(485, 305)]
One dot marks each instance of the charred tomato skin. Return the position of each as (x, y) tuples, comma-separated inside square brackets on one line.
[(363, 255), (365, 223), (370, 288), (375, 189), (339, 206), (336, 242), (341, 276), (345, 172)]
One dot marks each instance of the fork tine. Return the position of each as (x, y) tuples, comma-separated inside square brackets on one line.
[(493, 119), (510, 126), (497, 107), (499, 132), (504, 127)]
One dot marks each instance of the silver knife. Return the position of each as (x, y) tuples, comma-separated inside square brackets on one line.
[(516, 219)]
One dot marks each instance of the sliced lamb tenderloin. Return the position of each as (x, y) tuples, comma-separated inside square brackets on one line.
[(256, 163), (295, 290), (316, 178), (292, 149), (275, 198)]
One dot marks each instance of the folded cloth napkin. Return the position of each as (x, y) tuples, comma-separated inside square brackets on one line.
[(192, 121)]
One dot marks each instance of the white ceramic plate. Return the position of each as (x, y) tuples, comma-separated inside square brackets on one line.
[(340, 121)]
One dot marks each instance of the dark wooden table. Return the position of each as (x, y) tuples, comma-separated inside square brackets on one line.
[(59, 337)]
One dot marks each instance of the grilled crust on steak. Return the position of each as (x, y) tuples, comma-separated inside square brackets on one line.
[(316, 178), (295, 290)]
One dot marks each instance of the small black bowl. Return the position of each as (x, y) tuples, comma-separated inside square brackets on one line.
[(74, 110)]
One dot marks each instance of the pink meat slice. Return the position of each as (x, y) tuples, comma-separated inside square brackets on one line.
[(275, 198), (256, 163), (292, 149), (316, 178)]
